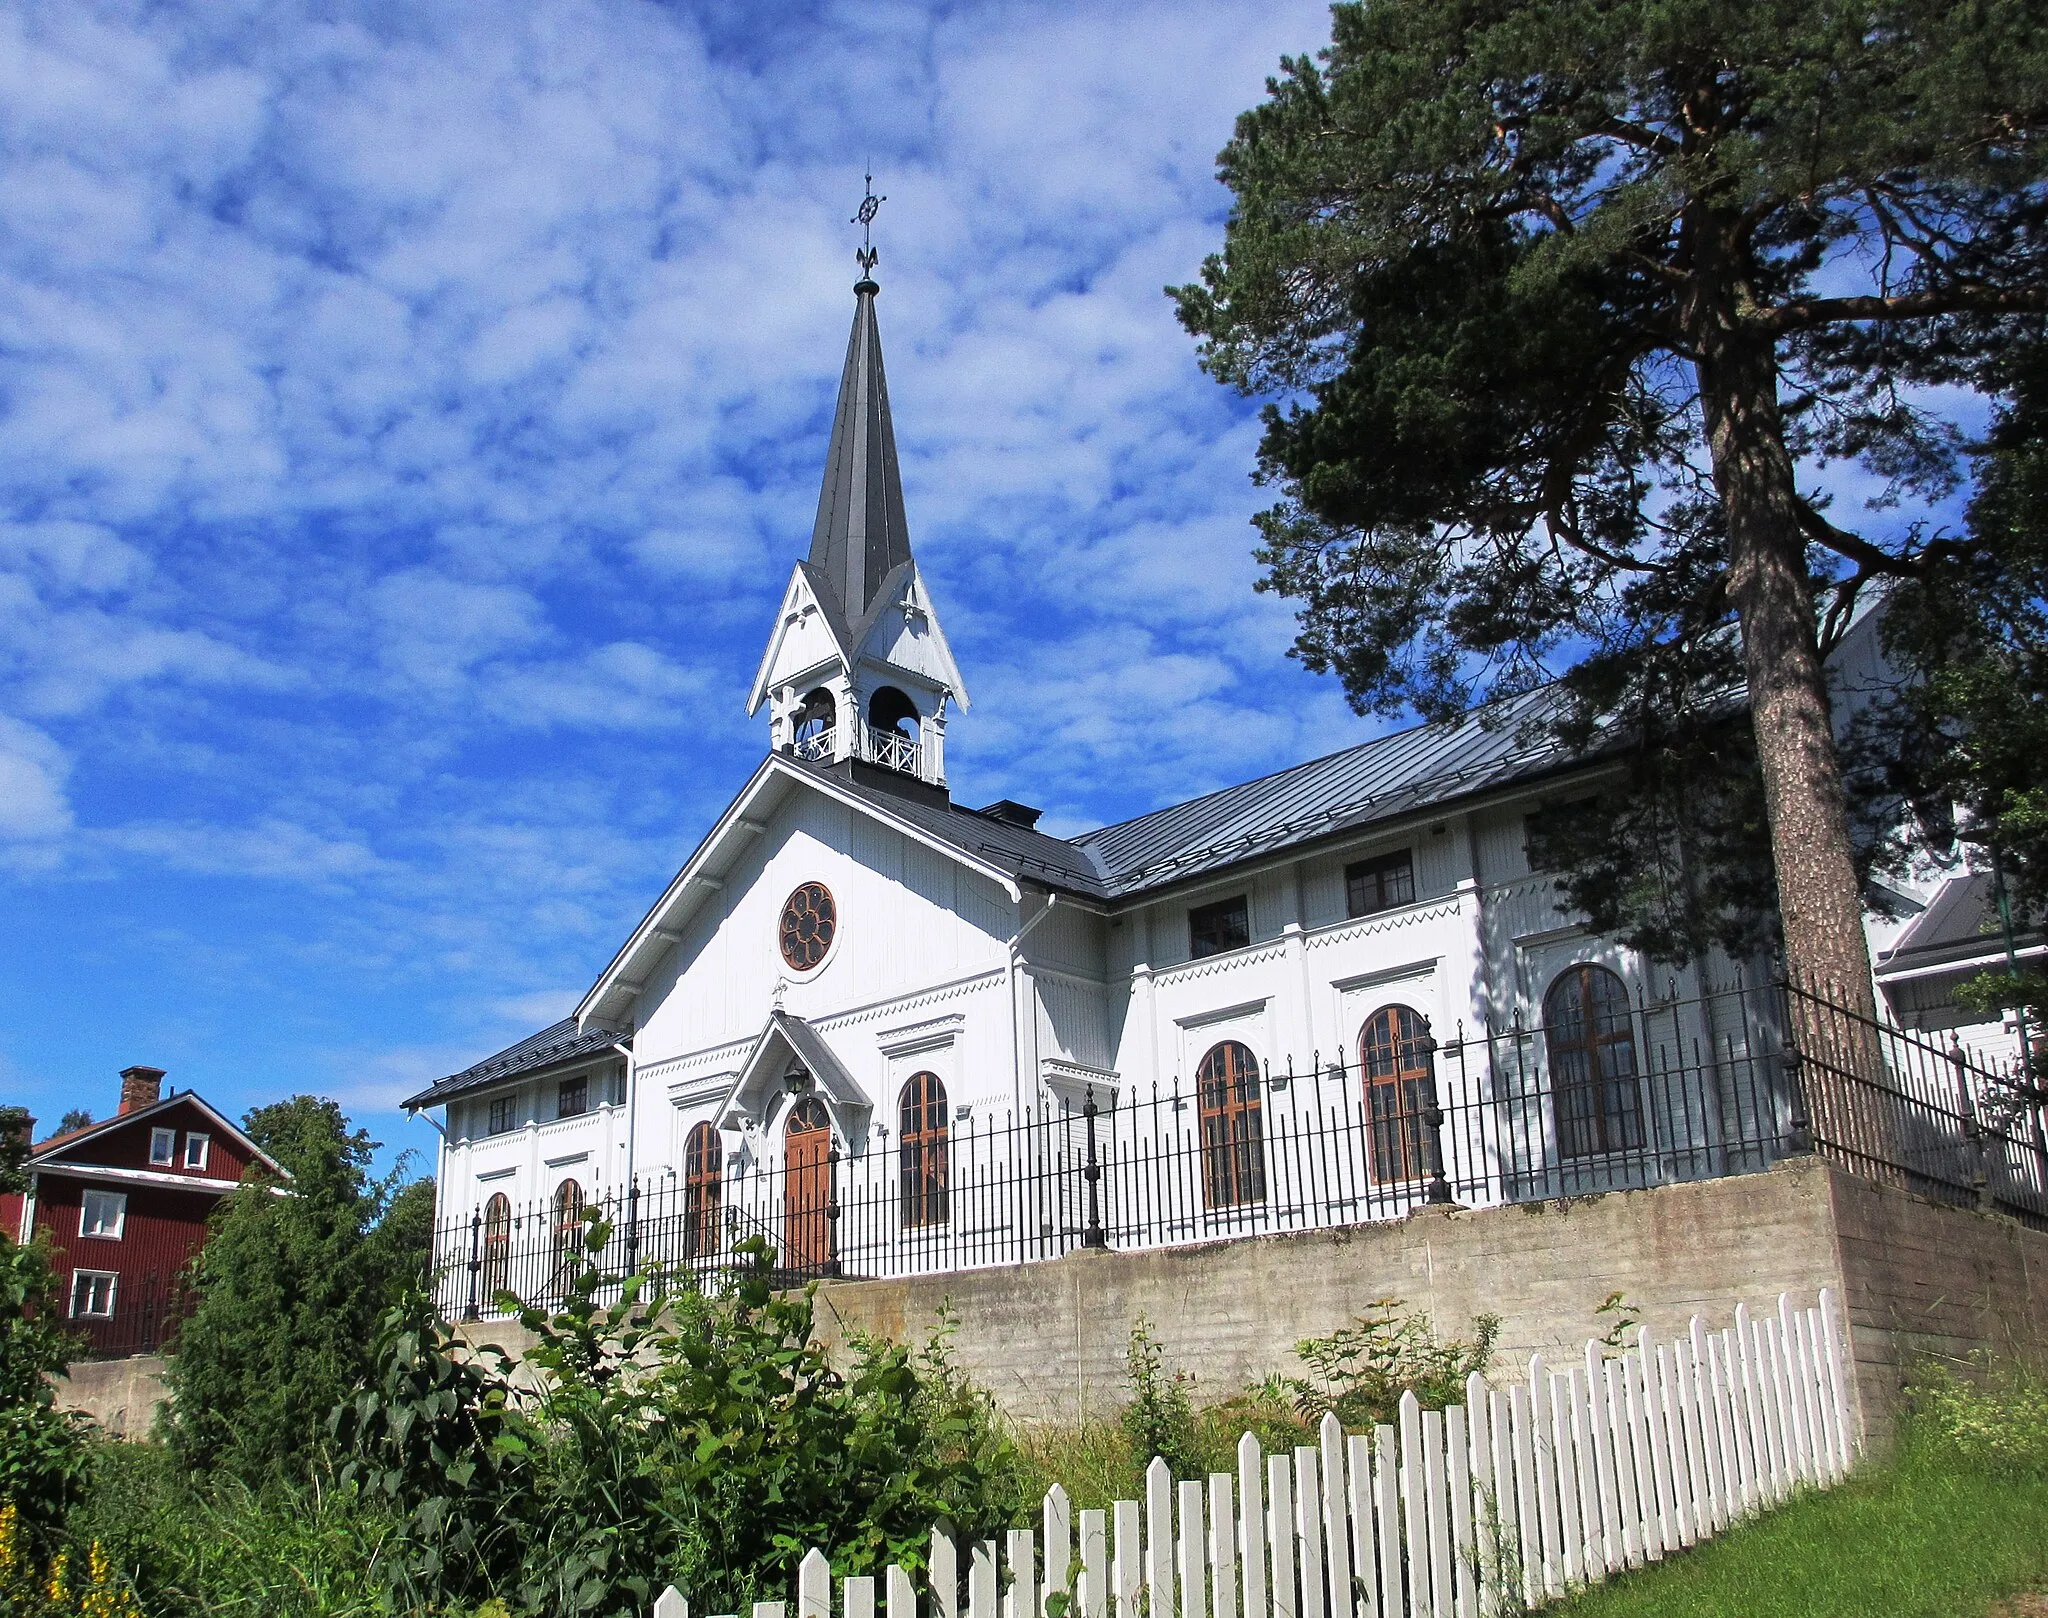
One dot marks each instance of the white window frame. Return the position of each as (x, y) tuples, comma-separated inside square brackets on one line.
[(120, 1201), (163, 1148), (113, 1281), (205, 1144)]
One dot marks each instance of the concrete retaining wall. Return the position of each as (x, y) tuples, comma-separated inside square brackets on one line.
[(121, 1395), (1920, 1279), (1049, 1340)]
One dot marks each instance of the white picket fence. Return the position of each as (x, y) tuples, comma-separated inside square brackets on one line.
[(1511, 1498)]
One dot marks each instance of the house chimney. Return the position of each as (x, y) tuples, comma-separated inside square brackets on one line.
[(140, 1087)]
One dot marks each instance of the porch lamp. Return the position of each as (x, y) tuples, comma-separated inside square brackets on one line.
[(797, 1080)]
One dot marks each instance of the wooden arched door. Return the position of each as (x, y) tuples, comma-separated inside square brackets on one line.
[(806, 1186)]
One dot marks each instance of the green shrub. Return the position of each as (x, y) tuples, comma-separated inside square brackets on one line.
[(214, 1547)]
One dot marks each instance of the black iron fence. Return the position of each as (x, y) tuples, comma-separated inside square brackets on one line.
[(1617, 1095)]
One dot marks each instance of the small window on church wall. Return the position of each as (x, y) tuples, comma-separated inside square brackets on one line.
[(572, 1096), (497, 1256), (503, 1115), (1379, 884), (568, 1235), (1213, 928), (1395, 1068), (890, 709)]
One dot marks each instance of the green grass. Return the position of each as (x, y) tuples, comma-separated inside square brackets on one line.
[(1935, 1534)]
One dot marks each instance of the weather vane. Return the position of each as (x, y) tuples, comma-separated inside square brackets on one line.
[(870, 205)]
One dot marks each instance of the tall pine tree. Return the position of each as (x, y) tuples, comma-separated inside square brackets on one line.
[(1567, 297)]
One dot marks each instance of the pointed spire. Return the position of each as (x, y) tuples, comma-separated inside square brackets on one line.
[(861, 534)]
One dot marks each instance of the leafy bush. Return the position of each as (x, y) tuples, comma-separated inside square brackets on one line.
[(1361, 1371), (430, 1443), (1996, 1417), (45, 1453), (671, 1438)]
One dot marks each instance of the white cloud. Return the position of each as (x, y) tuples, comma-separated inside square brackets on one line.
[(32, 772)]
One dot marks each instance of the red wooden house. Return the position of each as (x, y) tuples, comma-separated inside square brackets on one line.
[(125, 1204)]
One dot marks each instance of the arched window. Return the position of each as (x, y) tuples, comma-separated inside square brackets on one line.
[(703, 1190), (568, 1234), (812, 725), (925, 1152), (497, 1245), (890, 709), (1233, 1135), (1395, 1069), (806, 1187), (1592, 1047)]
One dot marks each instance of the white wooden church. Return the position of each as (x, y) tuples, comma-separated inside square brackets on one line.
[(884, 1030)]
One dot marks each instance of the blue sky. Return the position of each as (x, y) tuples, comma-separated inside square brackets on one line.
[(408, 418)]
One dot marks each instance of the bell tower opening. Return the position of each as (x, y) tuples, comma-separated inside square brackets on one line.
[(890, 710), (812, 725)]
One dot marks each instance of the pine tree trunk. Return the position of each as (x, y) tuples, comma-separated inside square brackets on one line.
[(1767, 582), (1820, 900)]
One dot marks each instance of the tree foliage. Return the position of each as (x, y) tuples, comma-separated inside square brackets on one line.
[(1964, 745), (45, 1455), (292, 1283), (1571, 301), (15, 1124)]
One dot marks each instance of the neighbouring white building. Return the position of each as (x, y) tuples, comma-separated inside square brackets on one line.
[(879, 1028)]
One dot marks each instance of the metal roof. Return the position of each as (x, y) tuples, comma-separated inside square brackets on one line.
[(551, 1047), (1960, 925), (862, 534), (1376, 780)]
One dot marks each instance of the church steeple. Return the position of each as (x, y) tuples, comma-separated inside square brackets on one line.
[(861, 533), (857, 670)]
